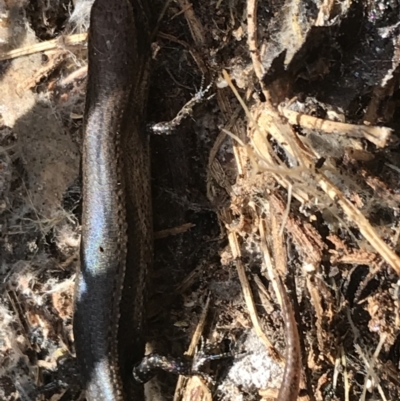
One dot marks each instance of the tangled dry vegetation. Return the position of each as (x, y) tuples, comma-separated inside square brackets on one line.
[(297, 154)]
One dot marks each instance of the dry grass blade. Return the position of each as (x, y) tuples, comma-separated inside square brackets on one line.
[(173, 231), (248, 296), (380, 136), (252, 38), (72, 40), (182, 380)]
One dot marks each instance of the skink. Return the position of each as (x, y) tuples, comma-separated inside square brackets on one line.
[(116, 245), (291, 377)]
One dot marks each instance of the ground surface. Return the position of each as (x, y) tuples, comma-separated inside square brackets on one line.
[(226, 185)]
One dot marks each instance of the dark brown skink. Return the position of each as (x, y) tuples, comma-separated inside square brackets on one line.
[(291, 377), (116, 246)]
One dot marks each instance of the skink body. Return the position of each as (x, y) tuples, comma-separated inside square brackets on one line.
[(116, 246)]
